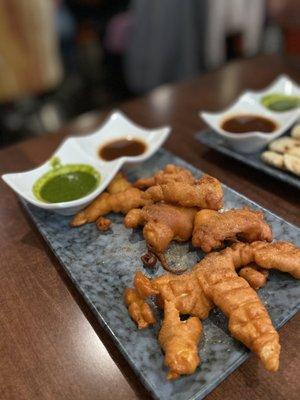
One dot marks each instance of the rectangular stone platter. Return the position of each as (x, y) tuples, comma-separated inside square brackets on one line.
[(101, 265), (214, 141)]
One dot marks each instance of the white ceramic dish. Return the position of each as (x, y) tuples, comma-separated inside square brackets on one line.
[(83, 149), (282, 84), (250, 103)]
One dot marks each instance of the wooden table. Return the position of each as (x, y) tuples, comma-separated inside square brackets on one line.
[(51, 346)]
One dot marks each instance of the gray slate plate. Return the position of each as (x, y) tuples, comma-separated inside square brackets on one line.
[(101, 265), (214, 141)]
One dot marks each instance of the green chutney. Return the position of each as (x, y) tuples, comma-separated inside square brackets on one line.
[(66, 182), (280, 102)]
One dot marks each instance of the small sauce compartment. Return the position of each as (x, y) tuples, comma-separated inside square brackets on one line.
[(122, 147), (245, 123)]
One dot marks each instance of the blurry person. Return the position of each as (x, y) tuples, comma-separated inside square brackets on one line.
[(174, 40), (29, 57), (239, 23), (166, 42)]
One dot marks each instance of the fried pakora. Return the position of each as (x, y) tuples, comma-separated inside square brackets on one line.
[(138, 309), (212, 228), (179, 340), (280, 255), (214, 281), (171, 173), (120, 197), (120, 202), (103, 224), (162, 223), (118, 184), (204, 193), (255, 276)]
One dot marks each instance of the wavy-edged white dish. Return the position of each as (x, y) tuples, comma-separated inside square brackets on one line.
[(282, 84), (250, 103), (84, 150)]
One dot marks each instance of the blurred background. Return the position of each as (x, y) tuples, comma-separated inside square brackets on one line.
[(61, 58)]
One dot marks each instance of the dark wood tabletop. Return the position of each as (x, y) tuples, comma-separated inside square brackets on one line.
[(51, 346)]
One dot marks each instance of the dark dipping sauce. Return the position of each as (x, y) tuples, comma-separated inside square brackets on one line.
[(122, 148), (248, 123)]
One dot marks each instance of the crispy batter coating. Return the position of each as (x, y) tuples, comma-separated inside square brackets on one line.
[(283, 256), (249, 320), (211, 228), (204, 193), (179, 340), (171, 173), (118, 184), (184, 291), (255, 276), (214, 281), (103, 224), (162, 224), (138, 309), (279, 255), (105, 203)]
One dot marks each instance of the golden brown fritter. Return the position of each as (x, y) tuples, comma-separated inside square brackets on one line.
[(179, 340), (184, 291), (255, 276), (120, 202), (103, 224), (98, 207), (118, 184), (283, 256), (279, 255), (211, 228), (249, 320), (171, 173), (138, 309), (162, 224), (204, 193), (214, 281)]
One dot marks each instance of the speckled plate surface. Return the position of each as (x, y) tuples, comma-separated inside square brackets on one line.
[(210, 139), (101, 265)]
